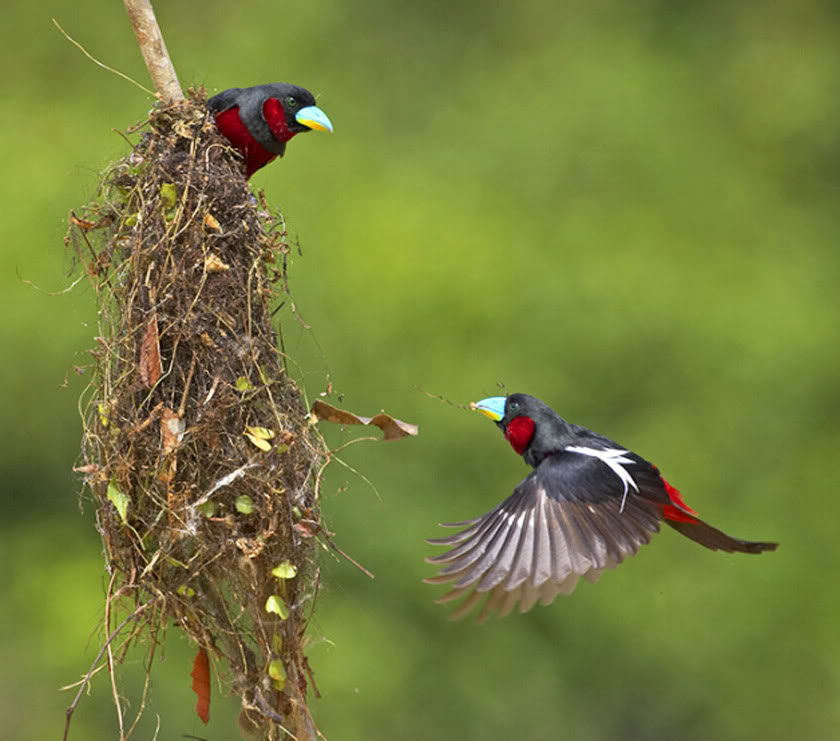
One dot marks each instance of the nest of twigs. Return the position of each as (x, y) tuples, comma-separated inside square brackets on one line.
[(197, 446)]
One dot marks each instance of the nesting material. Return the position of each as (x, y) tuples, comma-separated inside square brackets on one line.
[(198, 450)]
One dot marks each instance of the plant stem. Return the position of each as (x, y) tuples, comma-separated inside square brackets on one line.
[(153, 49)]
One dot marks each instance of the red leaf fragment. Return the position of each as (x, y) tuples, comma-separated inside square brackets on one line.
[(201, 684)]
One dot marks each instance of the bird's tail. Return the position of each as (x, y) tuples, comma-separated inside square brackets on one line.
[(682, 518), (704, 534)]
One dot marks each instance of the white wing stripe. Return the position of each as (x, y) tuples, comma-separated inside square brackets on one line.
[(616, 461)]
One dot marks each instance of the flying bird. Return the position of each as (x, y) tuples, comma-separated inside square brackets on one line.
[(587, 505), (259, 120)]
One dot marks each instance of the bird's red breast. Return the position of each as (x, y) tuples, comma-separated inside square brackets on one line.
[(231, 126)]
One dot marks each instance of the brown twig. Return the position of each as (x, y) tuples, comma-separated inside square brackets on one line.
[(86, 680), (349, 558), (153, 49), (96, 61)]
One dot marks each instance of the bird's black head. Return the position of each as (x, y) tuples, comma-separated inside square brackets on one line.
[(272, 114), (533, 428), (298, 104)]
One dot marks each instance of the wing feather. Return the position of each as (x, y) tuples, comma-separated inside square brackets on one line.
[(224, 100), (564, 521), (481, 544), (541, 565)]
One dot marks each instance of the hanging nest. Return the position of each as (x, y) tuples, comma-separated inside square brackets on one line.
[(202, 460)]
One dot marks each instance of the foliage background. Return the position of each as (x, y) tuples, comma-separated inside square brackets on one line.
[(627, 209)]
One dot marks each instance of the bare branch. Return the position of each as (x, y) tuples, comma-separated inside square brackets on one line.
[(153, 49)]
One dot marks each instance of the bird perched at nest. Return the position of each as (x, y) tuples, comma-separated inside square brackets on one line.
[(259, 120), (587, 504)]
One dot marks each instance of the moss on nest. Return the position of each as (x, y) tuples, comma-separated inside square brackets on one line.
[(197, 445)]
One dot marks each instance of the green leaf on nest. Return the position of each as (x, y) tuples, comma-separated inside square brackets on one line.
[(244, 504), (277, 672), (120, 500), (167, 195), (208, 508), (285, 570), (243, 384), (260, 436), (277, 605)]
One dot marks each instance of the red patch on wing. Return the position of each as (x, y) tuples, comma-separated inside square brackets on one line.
[(679, 511), (231, 126), (275, 117), (519, 433)]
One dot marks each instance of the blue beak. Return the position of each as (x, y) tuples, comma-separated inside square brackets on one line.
[(314, 118), (493, 407)]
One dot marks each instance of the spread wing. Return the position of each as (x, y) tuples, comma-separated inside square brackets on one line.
[(573, 516)]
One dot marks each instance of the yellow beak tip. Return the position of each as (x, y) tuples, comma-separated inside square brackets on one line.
[(314, 125), (490, 414)]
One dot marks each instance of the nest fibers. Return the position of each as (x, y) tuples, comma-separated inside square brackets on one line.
[(197, 446)]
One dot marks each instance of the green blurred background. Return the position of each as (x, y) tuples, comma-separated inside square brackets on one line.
[(627, 209)]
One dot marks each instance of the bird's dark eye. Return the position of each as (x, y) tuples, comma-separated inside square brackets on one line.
[(513, 406), (291, 102)]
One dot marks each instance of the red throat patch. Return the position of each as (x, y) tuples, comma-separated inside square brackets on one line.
[(519, 433), (275, 117)]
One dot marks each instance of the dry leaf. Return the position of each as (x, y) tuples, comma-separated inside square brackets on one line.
[(213, 264), (182, 129), (201, 684), (207, 339), (260, 436), (171, 430), (211, 222), (83, 224), (394, 429), (94, 473), (151, 368), (307, 528), (90, 468)]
